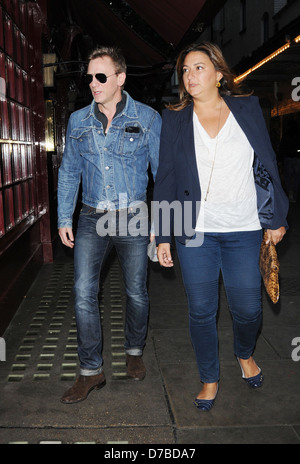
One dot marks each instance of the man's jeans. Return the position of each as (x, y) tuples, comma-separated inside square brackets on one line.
[(236, 255), (91, 250)]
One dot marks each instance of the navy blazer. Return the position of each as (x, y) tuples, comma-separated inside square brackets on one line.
[(177, 177)]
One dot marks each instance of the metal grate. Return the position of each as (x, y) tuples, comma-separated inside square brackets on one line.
[(118, 362), (51, 331), (49, 344)]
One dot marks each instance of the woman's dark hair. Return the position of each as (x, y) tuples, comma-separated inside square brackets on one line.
[(228, 85)]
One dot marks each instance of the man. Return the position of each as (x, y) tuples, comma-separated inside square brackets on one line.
[(109, 145)]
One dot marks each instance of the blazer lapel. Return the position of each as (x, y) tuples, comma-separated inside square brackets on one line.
[(244, 119), (187, 140)]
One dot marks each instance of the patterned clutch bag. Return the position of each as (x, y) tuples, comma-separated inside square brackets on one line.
[(269, 268)]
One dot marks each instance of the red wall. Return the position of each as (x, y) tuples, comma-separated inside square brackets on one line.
[(25, 237)]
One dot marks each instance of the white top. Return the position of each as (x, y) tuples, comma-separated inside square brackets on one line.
[(231, 203)]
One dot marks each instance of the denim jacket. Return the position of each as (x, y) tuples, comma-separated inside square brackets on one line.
[(112, 168)]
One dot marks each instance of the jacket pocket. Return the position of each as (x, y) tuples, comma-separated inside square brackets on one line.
[(84, 140), (131, 140)]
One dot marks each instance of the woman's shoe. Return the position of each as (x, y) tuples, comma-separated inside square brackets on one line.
[(205, 405), (253, 382)]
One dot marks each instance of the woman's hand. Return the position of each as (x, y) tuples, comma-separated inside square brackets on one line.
[(164, 255), (276, 235)]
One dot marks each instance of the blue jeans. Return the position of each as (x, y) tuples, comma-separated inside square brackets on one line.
[(91, 251), (236, 255)]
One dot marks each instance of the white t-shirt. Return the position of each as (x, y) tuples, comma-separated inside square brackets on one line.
[(231, 203)]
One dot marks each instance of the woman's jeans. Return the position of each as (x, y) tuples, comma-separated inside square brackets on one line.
[(236, 255), (90, 253)]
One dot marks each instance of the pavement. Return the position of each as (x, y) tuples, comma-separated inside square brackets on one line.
[(41, 363)]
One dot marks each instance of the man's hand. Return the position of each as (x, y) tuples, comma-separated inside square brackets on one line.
[(66, 235)]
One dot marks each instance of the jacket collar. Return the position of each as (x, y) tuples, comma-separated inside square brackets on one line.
[(246, 118), (129, 109), (187, 137)]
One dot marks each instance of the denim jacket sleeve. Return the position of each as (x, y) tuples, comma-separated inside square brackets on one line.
[(69, 178)]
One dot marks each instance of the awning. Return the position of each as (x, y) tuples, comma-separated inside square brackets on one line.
[(274, 72), (171, 19), (148, 31)]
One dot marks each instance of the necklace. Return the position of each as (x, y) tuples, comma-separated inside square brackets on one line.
[(214, 159)]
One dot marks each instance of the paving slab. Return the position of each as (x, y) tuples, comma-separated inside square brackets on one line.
[(41, 363)]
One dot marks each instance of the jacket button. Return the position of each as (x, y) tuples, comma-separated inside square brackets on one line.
[(186, 192)]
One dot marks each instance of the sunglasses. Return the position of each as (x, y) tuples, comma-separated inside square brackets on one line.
[(102, 78)]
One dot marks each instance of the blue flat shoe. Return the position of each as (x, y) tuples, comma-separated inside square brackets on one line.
[(256, 381), (205, 405), (253, 382)]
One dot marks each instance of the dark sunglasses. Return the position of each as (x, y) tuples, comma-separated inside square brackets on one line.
[(102, 78)]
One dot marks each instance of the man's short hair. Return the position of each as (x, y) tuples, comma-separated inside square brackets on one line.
[(115, 53)]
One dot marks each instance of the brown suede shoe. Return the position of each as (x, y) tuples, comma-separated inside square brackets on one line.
[(135, 367), (83, 385)]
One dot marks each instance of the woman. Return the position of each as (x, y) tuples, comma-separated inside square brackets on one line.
[(218, 169)]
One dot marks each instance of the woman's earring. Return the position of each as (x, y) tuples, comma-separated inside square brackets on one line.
[(218, 84)]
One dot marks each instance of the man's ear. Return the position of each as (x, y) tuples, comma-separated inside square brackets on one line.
[(121, 79)]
